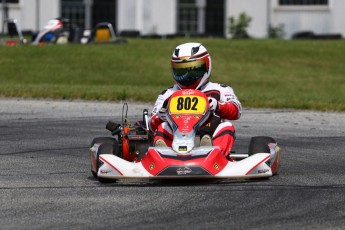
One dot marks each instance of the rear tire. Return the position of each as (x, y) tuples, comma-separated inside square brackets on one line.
[(108, 145), (106, 148), (259, 144), (102, 140)]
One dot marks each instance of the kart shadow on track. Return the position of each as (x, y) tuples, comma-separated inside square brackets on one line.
[(181, 183)]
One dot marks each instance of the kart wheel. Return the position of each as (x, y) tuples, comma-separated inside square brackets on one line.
[(108, 145), (94, 174), (107, 148), (102, 140), (259, 144)]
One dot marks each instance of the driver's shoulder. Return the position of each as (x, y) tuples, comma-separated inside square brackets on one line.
[(214, 86), (169, 91)]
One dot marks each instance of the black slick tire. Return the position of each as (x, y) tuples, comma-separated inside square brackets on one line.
[(108, 145), (259, 144)]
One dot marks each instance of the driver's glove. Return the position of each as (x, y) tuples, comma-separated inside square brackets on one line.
[(213, 104), (162, 114)]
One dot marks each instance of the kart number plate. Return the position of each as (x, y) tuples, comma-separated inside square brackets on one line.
[(187, 105)]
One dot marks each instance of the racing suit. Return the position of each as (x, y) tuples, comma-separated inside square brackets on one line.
[(219, 127)]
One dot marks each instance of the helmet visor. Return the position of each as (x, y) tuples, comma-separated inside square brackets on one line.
[(187, 73)]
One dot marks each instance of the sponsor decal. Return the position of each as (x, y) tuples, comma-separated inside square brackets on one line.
[(216, 166), (177, 116), (188, 92), (105, 171), (152, 166), (263, 170), (197, 116), (186, 120), (183, 171), (208, 124), (182, 148), (185, 129)]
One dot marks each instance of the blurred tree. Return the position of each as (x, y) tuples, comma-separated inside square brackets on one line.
[(238, 27)]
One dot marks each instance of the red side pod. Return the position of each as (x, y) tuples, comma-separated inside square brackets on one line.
[(215, 162), (153, 162)]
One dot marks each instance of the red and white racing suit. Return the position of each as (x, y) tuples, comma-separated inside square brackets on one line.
[(220, 128)]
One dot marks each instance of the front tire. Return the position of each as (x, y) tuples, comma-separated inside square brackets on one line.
[(259, 144)]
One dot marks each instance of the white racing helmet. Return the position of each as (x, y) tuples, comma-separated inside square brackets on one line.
[(191, 65)]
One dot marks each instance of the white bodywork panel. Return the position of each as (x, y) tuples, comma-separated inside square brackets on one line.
[(251, 167)]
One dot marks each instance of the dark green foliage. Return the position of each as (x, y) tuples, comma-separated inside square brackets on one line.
[(239, 26)]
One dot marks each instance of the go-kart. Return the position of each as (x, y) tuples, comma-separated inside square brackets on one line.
[(132, 154)]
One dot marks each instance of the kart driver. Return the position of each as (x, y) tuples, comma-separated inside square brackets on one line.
[(191, 69)]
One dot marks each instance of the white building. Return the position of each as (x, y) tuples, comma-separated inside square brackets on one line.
[(31, 14), (186, 17)]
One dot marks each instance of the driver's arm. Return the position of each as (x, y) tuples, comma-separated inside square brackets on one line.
[(229, 107), (156, 114)]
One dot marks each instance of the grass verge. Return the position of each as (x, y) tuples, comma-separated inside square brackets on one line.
[(263, 73)]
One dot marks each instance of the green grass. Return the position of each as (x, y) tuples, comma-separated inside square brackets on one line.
[(263, 73)]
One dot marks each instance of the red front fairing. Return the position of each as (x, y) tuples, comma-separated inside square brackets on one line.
[(159, 164), (187, 108), (185, 124)]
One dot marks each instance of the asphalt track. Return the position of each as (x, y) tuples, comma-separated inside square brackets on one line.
[(45, 179)]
